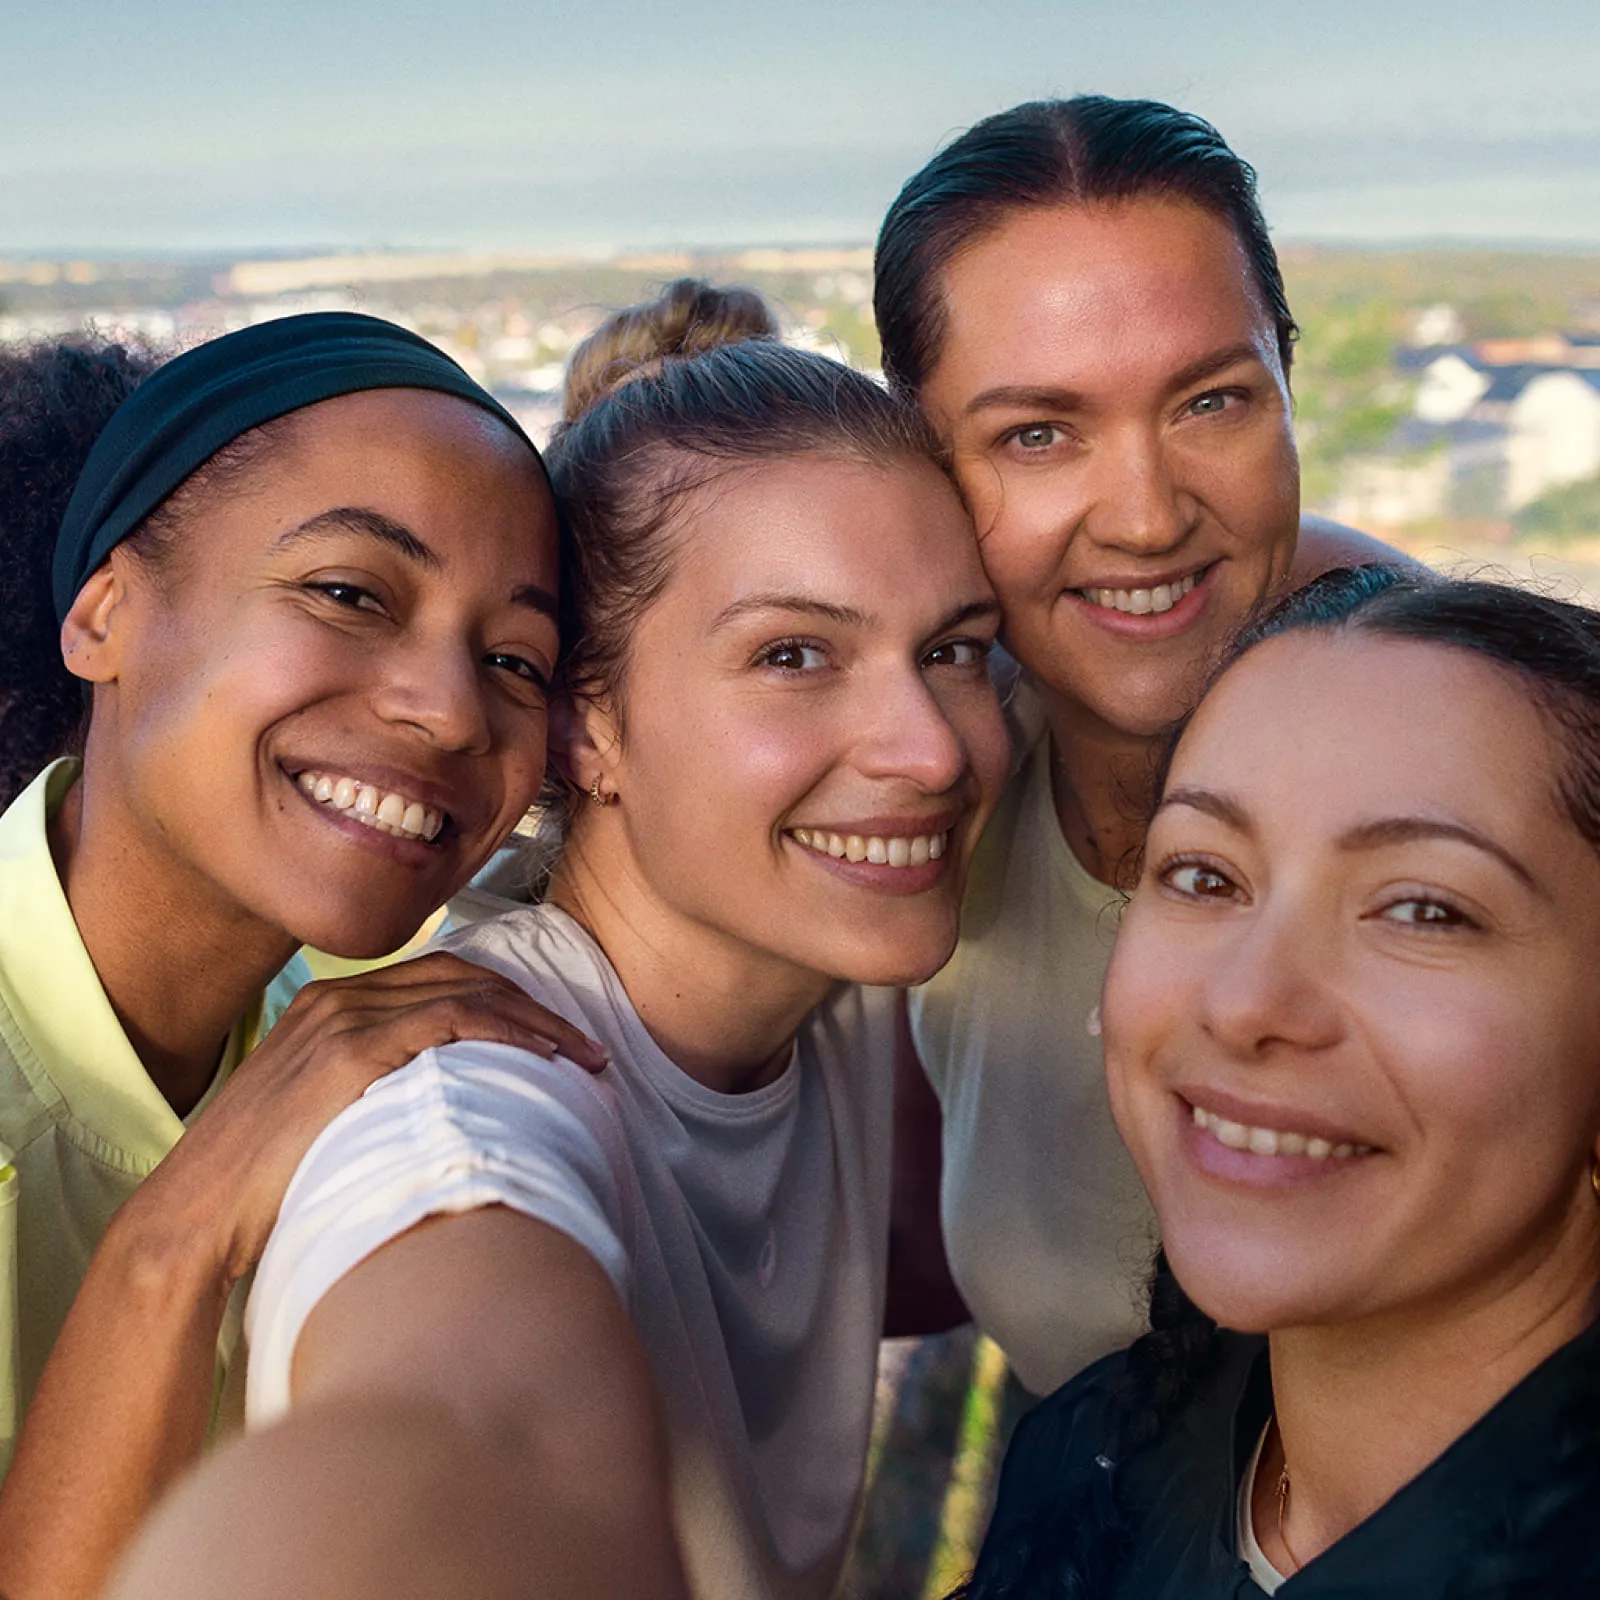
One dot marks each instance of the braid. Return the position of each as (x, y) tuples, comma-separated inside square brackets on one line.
[(1075, 1549)]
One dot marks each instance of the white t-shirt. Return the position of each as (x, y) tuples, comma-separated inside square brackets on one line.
[(746, 1235), (1047, 1227)]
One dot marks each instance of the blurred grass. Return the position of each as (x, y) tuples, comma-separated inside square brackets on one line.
[(945, 1408)]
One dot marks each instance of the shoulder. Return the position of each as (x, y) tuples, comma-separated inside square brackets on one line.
[(1325, 545)]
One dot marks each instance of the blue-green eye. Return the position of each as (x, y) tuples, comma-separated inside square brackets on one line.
[(1036, 436), (1210, 405)]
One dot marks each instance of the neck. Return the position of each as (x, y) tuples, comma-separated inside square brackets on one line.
[(179, 973), (1362, 1409), (723, 1012), (1100, 779)]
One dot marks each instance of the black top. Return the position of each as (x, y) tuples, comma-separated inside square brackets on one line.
[(1511, 1509)]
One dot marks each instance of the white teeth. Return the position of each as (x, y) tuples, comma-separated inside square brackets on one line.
[(898, 850), (387, 812), (1273, 1141), (1142, 602)]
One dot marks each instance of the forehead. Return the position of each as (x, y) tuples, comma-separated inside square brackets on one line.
[(860, 533), (1101, 295), (1315, 732)]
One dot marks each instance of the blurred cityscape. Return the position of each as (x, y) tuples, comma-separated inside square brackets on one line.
[(1448, 401)]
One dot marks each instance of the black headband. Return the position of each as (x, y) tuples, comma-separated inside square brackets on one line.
[(187, 410)]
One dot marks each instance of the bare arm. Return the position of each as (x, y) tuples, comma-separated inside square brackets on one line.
[(124, 1400), (922, 1296), (474, 1417)]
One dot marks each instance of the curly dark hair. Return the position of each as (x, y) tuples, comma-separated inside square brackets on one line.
[(55, 398)]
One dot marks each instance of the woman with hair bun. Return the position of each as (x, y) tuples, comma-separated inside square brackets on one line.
[(638, 1314), (306, 574), (1353, 1043), (1083, 298)]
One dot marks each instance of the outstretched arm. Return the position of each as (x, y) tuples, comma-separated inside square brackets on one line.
[(474, 1418), (123, 1403)]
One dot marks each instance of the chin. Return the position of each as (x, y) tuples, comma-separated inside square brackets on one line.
[(370, 939), (1254, 1290), (900, 967)]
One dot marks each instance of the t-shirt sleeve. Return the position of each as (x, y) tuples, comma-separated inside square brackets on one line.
[(461, 1127)]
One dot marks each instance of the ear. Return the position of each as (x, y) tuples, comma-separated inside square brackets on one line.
[(584, 743), (90, 636)]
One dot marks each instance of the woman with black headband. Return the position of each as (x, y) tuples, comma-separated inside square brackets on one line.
[(308, 574)]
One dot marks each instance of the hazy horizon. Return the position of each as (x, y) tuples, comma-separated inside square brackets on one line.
[(190, 130)]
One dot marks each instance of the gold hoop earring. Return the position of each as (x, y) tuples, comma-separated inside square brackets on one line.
[(595, 794), (1594, 1175)]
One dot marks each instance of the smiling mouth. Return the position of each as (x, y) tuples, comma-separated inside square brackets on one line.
[(1143, 602), (386, 810), (877, 849), (1274, 1141)]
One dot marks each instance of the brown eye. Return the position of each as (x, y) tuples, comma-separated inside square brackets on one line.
[(1198, 881)]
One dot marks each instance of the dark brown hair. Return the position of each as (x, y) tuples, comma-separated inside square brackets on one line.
[(1082, 151), (706, 398)]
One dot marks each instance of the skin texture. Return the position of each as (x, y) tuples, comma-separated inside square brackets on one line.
[(1119, 417), (1379, 928), (801, 709), (194, 867), (822, 643)]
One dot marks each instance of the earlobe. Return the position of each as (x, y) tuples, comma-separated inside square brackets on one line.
[(89, 636)]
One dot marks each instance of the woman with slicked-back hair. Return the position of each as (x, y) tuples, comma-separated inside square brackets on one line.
[(1082, 297)]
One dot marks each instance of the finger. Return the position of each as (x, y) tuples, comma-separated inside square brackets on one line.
[(441, 974)]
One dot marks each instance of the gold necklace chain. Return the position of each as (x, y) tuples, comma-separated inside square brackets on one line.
[(1283, 1506)]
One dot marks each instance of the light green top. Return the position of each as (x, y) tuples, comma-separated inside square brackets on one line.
[(81, 1123)]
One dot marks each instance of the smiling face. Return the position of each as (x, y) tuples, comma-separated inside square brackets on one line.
[(327, 708), (809, 740), (1352, 1028), (1111, 389)]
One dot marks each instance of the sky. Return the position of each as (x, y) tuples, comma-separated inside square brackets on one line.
[(208, 125)]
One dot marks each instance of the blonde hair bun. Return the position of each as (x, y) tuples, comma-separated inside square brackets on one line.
[(689, 317)]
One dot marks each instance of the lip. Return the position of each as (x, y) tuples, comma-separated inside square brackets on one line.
[(884, 879), (415, 853), (428, 792), (1163, 625), (1244, 1167)]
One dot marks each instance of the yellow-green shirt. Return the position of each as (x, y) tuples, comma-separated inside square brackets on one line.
[(81, 1123)]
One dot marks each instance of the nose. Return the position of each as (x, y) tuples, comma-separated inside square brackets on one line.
[(438, 690), (1138, 505), (909, 735), (1268, 987)]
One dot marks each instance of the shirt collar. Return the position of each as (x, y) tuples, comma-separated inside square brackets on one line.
[(73, 1050)]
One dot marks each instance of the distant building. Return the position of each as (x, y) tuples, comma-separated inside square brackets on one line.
[(1494, 425)]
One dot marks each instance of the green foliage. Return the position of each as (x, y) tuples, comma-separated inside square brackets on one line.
[(1562, 515), (1348, 399)]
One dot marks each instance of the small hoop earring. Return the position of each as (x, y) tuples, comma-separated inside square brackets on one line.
[(595, 794), (1594, 1175)]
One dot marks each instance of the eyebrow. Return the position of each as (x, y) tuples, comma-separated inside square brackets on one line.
[(1373, 835), (1045, 397), (385, 530), (844, 616)]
